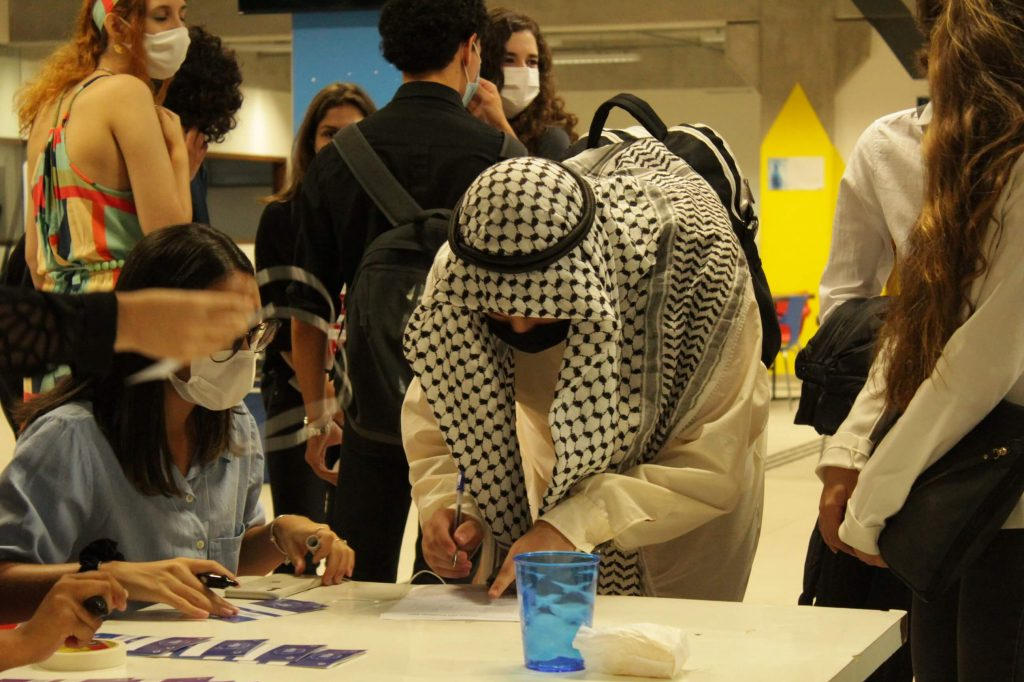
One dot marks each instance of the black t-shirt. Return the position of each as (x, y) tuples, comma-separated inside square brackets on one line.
[(434, 148), (275, 245)]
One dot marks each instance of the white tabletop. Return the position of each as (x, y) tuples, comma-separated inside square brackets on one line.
[(727, 642)]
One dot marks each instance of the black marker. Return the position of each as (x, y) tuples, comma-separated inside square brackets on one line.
[(214, 580), (97, 606)]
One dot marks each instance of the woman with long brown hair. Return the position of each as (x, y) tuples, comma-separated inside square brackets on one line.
[(953, 344), (294, 487), (517, 59)]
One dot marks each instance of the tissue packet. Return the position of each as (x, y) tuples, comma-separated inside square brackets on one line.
[(640, 649)]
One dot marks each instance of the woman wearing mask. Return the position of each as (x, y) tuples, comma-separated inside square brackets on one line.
[(106, 165), (517, 60), (294, 487), (952, 344), (171, 471)]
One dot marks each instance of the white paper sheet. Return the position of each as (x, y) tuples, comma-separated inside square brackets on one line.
[(453, 602)]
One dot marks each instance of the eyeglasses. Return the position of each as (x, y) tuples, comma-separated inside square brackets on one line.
[(256, 339)]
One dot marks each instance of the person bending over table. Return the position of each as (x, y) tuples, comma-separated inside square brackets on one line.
[(169, 470), (608, 396)]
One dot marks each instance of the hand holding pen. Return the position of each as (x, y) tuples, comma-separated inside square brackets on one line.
[(460, 488)]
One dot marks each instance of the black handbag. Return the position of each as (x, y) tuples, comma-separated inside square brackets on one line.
[(957, 505)]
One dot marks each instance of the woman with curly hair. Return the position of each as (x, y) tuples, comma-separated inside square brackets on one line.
[(206, 94), (294, 488), (107, 165), (952, 347), (517, 60)]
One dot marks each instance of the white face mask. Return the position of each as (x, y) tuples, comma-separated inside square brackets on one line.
[(218, 385), (165, 52), (522, 85), (472, 85)]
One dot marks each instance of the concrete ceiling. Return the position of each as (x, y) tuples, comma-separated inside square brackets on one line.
[(681, 43)]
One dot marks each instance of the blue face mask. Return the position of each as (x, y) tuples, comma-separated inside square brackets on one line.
[(471, 86)]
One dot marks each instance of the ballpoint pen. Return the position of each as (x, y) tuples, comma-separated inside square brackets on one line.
[(460, 486), (214, 580)]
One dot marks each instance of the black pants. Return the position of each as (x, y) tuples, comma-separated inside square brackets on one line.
[(371, 505), (294, 488), (842, 581), (975, 632)]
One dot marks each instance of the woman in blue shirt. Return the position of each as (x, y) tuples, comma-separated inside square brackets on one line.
[(170, 470)]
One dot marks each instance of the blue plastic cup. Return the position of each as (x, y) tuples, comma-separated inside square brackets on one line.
[(556, 596)]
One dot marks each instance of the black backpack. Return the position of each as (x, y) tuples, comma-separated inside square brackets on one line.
[(710, 156), (386, 288), (834, 364)]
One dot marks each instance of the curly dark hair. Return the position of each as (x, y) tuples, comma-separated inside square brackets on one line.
[(548, 110), (422, 36), (205, 92)]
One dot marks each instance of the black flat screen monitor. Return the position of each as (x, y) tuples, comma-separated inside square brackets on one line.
[(289, 6)]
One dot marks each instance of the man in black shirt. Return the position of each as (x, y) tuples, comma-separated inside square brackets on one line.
[(435, 148)]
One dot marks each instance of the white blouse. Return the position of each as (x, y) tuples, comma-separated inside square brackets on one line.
[(981, 364)]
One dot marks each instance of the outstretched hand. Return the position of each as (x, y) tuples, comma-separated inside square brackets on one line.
[(62, 616), (543, 537)]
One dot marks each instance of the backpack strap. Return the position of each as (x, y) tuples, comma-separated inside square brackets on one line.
[(636, 107), (391, 198)]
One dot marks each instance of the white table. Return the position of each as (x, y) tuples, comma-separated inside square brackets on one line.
[(728, 642)]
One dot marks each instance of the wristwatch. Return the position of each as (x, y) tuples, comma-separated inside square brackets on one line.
[(316, 430)]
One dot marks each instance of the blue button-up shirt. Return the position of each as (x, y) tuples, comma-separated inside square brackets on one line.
[(65, 488)]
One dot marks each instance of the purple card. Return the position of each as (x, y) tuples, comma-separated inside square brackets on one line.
[(238, 618), (293, 605), (287, 653), (166, 647), (327, 658), (231, 648)]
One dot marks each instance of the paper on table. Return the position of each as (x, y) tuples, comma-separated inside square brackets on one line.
[(453, 602)]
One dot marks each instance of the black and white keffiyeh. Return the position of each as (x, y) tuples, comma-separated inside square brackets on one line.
[(651, 291)]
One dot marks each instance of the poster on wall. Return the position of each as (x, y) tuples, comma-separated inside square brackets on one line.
[(801, 173)]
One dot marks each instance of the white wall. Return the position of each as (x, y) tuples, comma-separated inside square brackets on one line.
[(879, 86), (264, 124)]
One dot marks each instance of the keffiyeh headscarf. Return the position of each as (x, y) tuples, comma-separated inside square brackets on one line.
[(650, 286)]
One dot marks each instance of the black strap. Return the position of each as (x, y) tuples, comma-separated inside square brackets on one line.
[(391, 198), (635, 107)]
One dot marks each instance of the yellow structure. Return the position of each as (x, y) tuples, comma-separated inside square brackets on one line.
[(800, 174)]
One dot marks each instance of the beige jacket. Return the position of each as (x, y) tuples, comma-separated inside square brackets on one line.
[(695, 510)]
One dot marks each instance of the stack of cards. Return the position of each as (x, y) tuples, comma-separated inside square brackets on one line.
[(247, 650), (272, 608)]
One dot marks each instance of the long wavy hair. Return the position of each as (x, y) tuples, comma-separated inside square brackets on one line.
[(334, 95), (927, 14), (77, 58), (976, 74), (189, 256), (548, 110)]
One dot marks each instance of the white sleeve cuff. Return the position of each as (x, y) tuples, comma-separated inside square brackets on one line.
[(845, 450), (864, 538), (582, 521)]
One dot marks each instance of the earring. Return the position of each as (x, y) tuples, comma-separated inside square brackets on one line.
[(119, 48)]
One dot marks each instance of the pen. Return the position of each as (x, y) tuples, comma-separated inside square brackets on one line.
[(97, 606), (214, 580), (460, 486)]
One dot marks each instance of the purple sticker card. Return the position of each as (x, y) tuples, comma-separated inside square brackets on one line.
[(327, 658), (287, 653), (292, 605), (231, 648), (168, 646)]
